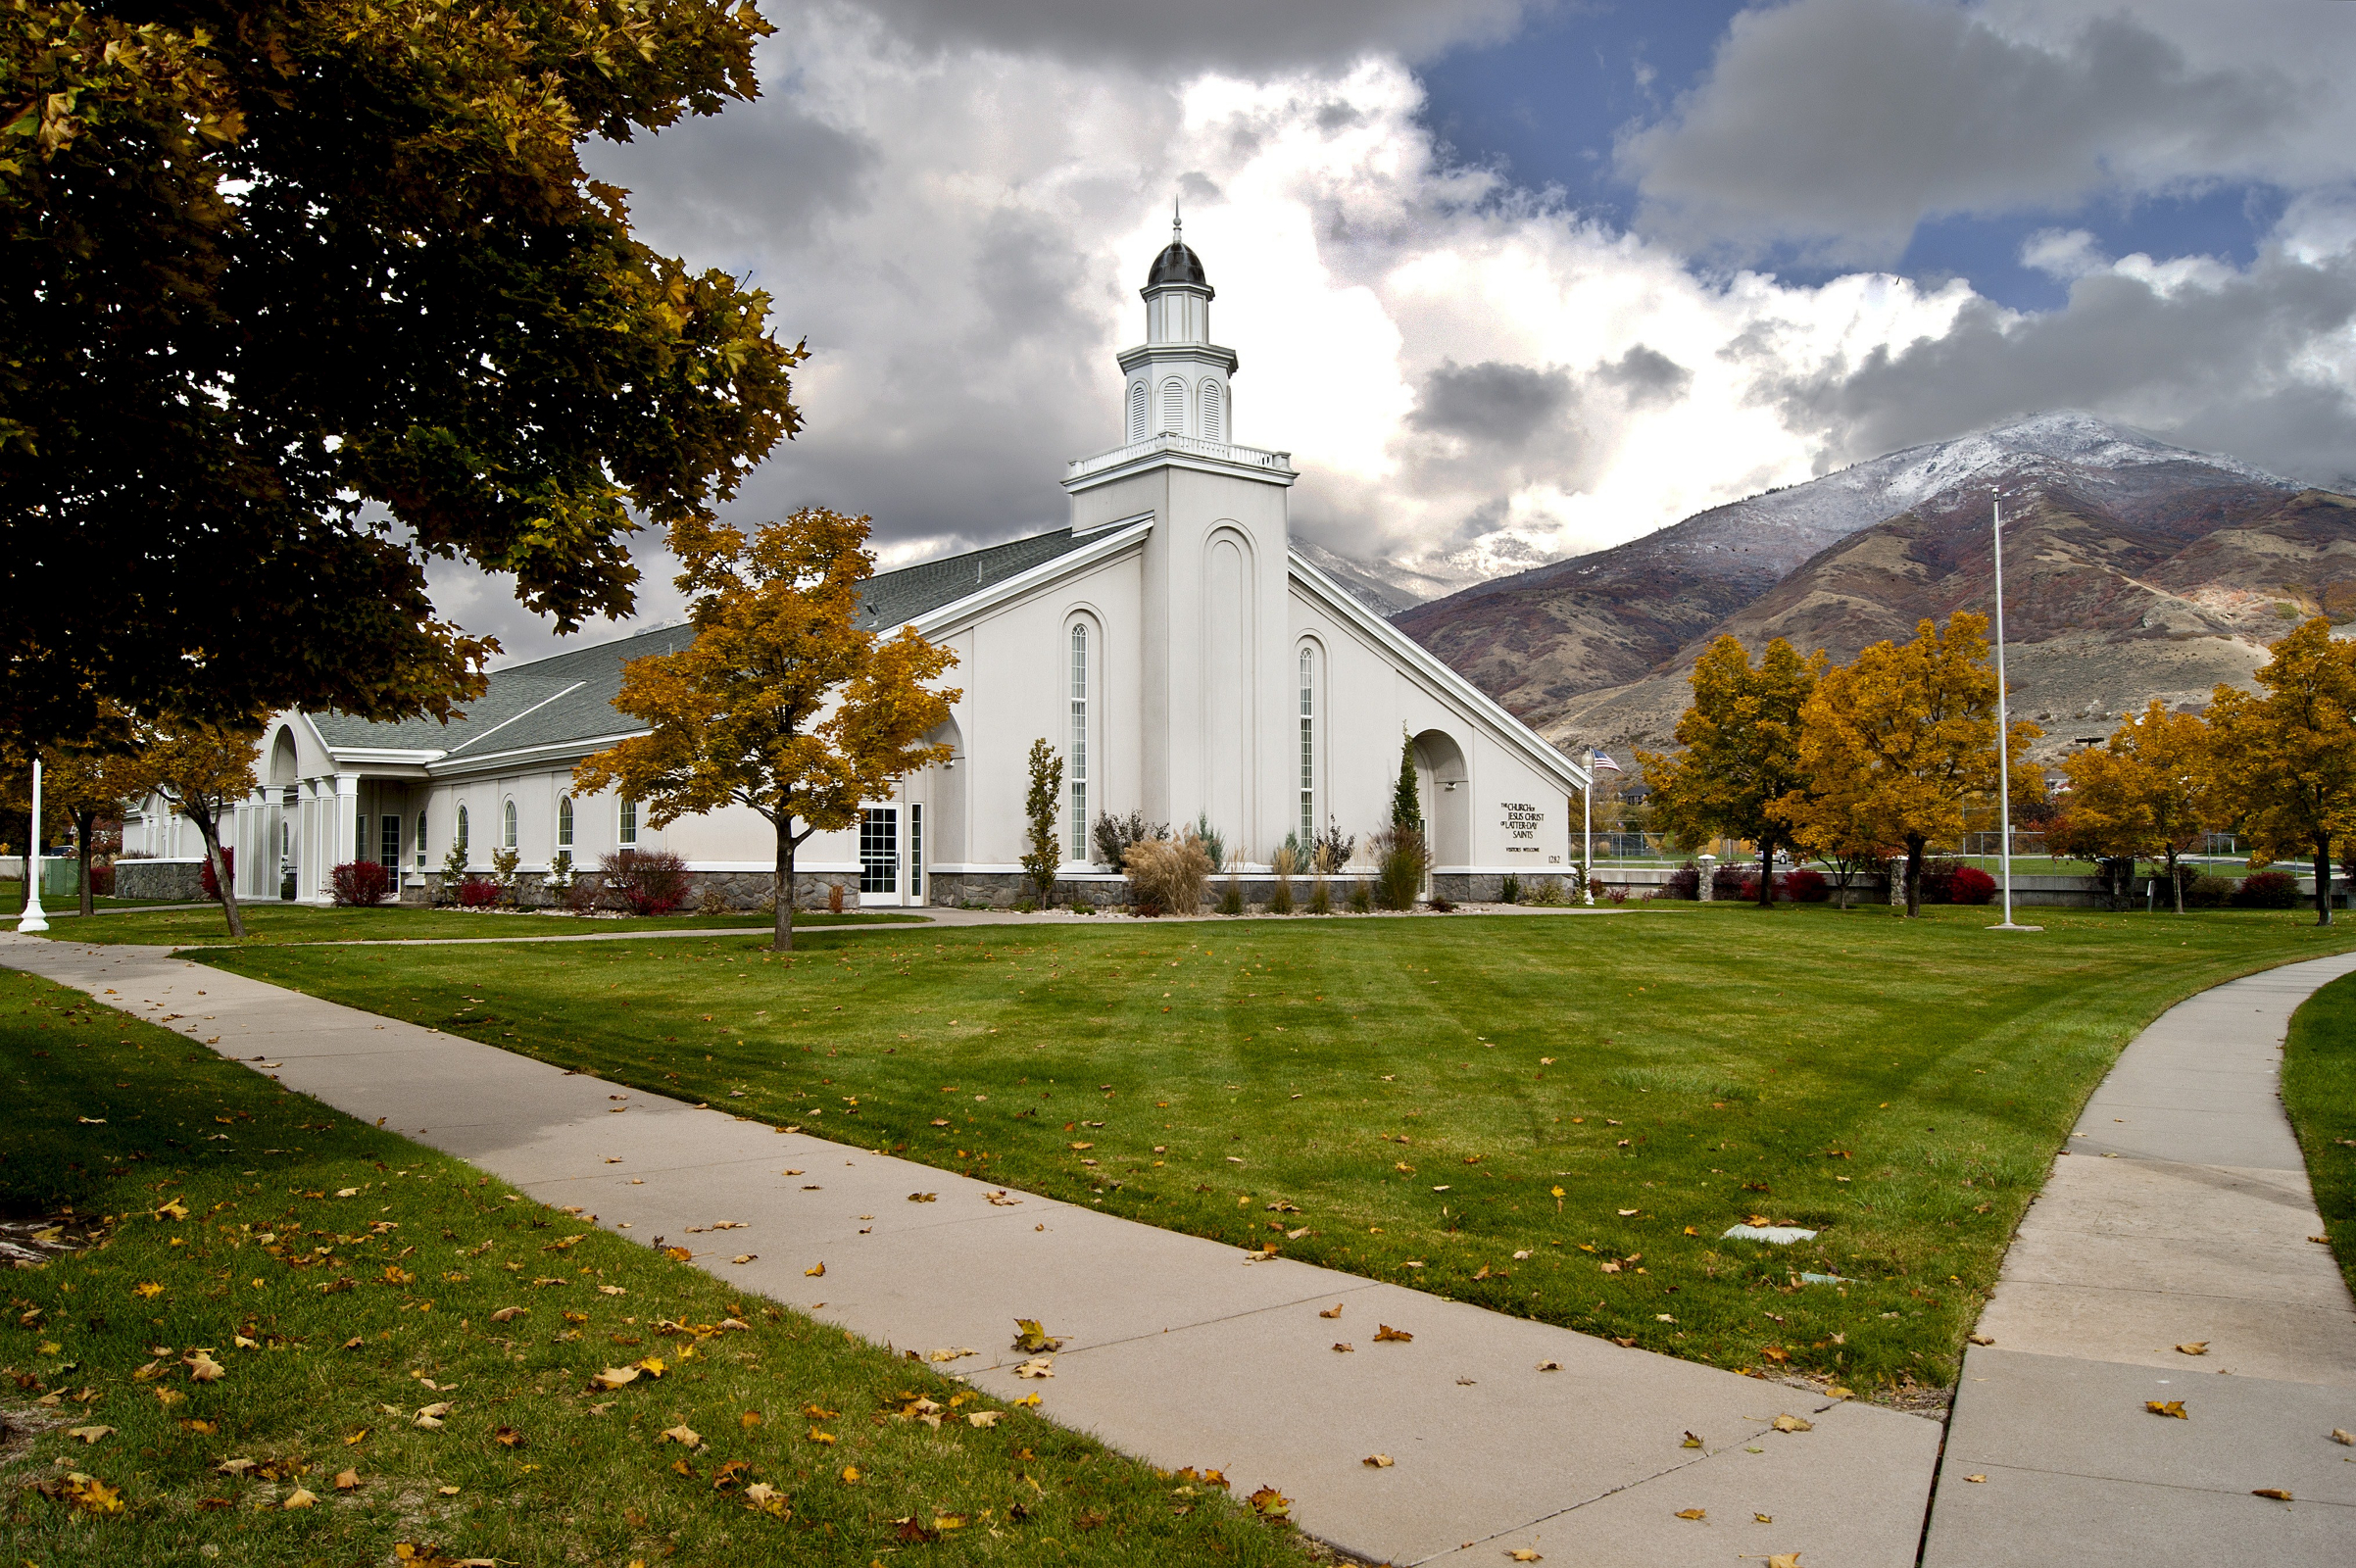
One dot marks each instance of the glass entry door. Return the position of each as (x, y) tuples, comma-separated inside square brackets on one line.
[(879, 856)]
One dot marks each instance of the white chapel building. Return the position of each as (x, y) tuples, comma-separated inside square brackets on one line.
[(1167, 642)]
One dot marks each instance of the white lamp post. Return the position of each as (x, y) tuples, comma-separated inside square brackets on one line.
[(2003, 735), (34, 918)]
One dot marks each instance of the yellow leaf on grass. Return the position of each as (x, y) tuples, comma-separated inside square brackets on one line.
[(985, 1419), (201, 1368), (430, 1417), (299, 1497), (1692, 1513), (508, 1315), (683, 1435), (176, 1209), (2174, 1407), (89, 1434), (346, 1480), (851, 1473), (149, 1291)]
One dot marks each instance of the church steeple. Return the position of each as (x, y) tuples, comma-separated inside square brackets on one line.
[(1176, 382)]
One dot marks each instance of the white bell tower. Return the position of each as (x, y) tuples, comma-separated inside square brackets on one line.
[(1176, 382)]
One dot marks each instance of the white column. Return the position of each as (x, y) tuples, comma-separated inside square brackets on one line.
[(347, 827)]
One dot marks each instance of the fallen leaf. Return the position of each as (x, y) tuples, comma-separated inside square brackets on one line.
[(2196, 1347), (815, 1270), (430, 1417), (2343, 1435), (1270, 1503), (1524, 1554), (2275, 1493), (1334, 1310), (1037, 1367), (201, 1368), (1377, 1461), (1549, 1367), (934, 1197), (851, 1473), (685, 1436), (507, 1437), (508, 1315), (1783, 1559), (2174, 1407), (1692, 1440), (747, 1257), (985, 1419), (304, 1497), (1692, 1513), (1793, 1423), (1345, 1347), (1976, 1479), (235, 1467), (346, 1480), (447, 1492), (1762, 1518), (1383, 1331), (89, 1435), (1627, 1212), (614, 1376), (1980, 1338), (1031, 1339)]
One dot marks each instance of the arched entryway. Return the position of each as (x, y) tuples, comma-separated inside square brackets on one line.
[(1446, 785)]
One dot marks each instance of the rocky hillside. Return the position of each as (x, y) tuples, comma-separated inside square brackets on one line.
[(2133, 569)]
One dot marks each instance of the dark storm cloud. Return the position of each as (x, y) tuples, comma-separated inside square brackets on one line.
[(1497, 404), (1166, 36), (763, 173), (1843, 123), (2209, 363), (1644, 375)]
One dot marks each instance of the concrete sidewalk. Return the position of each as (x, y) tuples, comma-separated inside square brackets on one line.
[(1180, 1351), (2180, 1215)]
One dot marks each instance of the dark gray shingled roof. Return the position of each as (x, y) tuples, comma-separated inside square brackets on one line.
[(570, 696)]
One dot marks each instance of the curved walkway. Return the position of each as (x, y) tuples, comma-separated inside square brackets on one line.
[(2182, 1217), (1181, 1350)]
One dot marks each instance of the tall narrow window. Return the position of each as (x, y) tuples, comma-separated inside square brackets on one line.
[(390, 846), (360, 835), (1308, 745), (1173, 406), (420, 840), (462, 827), (1077, 768), (1214, 427), (626, 830), (917, 853), (1137, 411), (506, 826), (563, 821)]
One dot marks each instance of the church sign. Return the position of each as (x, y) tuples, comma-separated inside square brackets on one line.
[(1520, 822)]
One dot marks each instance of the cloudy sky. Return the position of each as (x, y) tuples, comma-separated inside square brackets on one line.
[(1515, 279)]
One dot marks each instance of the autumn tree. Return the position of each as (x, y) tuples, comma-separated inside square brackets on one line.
[(1042, 804), (2148, 792), (1898, 747), (1740, 753), (300, 297), (203, 770), (783, 703), (2286, 753)]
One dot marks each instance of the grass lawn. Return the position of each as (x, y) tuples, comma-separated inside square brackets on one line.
[(2319, 1089), (343, 1281), (1556, 1116), (277, 923)]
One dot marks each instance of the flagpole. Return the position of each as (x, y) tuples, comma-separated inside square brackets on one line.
[(2003, 731), (1587, 830)]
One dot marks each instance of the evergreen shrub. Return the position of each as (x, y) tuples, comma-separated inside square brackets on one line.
[(1509, 891)]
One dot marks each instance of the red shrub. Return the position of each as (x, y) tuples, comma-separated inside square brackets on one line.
[(477, 893), (359, 884), (1807, 887), (2267, 890), (647, 881), (212, 887), (1968, 884), (102, 881)]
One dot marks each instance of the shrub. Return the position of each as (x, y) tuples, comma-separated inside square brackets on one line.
[(1214, 842), (1807, 887), (1330, 849), (579, 893), (1440, 905), (102, 879), (358, 884), (1321, 898), (1168, 874), (1548, 893), (504, 861), (1361, 897), (712, 900), (206, 879), (477, 893), (2267, 890), (1968, 884), (1731, 882), (1401, 857), (1509, 891), (1285, 861), (1082, 906), (2205, 892), (646, 881), (1112, 836), (1231, 896), (1684, 883)]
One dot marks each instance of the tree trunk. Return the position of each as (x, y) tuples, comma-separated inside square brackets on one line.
[(210, 831), (2323, 880), (2175, 881), (84, 821), (1766, 875), (782, 938), (1914, 877)]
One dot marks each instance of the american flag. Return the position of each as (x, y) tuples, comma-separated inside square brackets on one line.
[(1604, 761)]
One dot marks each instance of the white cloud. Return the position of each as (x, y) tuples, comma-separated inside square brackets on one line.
[(960, 235)]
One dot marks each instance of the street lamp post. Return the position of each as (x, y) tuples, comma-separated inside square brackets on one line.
[(33, 919), (2004, 734)]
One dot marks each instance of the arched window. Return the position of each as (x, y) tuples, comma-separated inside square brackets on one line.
[(1173, 406), (506, 826), (462, 827), (1214, 428), (1308, 745), (626, 830), (1137, 412), (420, 840), (563, 821), (1076, 769)]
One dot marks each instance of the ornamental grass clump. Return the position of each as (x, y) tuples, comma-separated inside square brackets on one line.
[(1284, 863), (1167, 876), (1401, 857)]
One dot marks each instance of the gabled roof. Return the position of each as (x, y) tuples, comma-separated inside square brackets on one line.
[(570, 696)]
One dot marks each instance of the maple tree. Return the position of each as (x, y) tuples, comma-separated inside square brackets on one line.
[(1899, 745), (2149, 791), (1739, 751), (302, 297), (203, 770), (2286, 753), (783, 703)]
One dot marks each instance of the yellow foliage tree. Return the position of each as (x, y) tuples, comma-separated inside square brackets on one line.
[(1740, 751), (2147, 793), (783, 702), (203, 770), (2286, 754), (1899, 746)]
